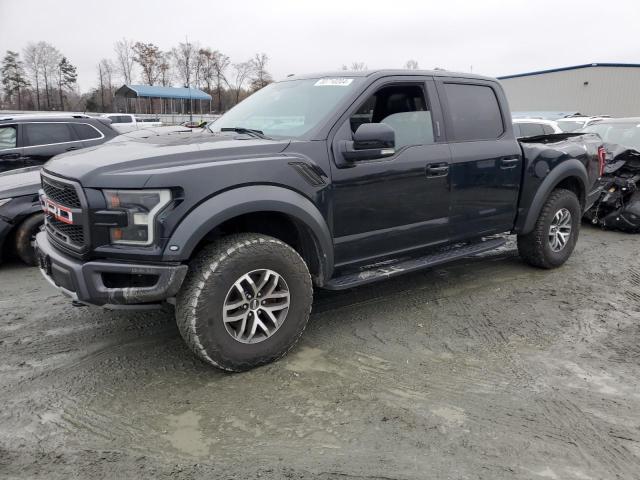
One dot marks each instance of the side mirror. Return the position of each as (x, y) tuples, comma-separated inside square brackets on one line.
[(371, 141)]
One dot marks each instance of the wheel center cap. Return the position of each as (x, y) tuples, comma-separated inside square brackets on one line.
[(254, 304)]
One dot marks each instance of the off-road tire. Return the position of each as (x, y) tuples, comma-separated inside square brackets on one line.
[(534, 247), (23, 238), (212, 272)]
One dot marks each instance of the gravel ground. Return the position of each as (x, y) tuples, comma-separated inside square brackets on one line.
[(482, 369)]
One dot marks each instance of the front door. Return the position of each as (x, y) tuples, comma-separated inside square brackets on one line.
[(392, 205)]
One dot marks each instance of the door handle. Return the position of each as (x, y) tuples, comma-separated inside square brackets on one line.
[(71, 148), (509, 162), (437, 170), (10, 156)]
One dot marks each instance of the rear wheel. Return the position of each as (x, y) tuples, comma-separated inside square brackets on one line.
[(26, 238), (245, 302), (556, 231)]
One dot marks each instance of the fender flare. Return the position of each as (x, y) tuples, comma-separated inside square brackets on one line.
[(572, 168), (251, 199)]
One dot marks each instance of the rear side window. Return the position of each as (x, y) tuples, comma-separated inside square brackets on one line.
[(84, 131), (47, 133), (121, 119), (547, 130), (531, 129), (474, 110), (8, 138)]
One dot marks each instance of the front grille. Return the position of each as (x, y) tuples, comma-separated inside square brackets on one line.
[(61, 193), (66, 194), (73, 234)]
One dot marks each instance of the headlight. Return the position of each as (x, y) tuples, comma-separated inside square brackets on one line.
[(142, 207)]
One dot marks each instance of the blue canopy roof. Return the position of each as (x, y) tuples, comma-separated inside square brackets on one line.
[(154, 91)]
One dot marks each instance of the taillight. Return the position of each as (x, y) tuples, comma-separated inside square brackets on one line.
[(602, 158)]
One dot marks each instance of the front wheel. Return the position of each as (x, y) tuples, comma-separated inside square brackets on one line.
[(245, 302), (555, 234), (26, 238)]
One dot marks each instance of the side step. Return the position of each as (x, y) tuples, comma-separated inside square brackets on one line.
[(388, 270)]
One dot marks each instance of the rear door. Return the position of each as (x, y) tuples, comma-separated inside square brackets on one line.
[(10, 152), (43, 140), (486, 160)]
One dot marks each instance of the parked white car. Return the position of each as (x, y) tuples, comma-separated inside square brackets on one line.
[(127, 122), (531, 127), (573, 124)]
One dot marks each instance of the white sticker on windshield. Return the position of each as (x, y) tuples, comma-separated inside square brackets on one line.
[(333, 82)]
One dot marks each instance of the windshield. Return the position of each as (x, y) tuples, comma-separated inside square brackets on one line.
[(625, 134), (567, 126), (289, 108)]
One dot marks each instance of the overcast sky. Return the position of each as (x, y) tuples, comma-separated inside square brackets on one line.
[(489, 36)]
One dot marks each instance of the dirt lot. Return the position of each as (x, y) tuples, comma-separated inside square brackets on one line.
[(485, 368)]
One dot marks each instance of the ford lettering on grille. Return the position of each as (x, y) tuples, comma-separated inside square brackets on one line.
[(57, 211)]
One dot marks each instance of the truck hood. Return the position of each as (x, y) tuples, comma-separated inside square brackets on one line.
[(23, 181), (129, 161)]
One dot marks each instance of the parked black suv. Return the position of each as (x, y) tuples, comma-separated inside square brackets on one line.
[(29, 140), (331, 181)]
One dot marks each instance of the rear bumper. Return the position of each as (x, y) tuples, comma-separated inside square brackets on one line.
[(85, 281)]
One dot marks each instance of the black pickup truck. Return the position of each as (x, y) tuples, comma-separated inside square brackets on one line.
[(331, 180)]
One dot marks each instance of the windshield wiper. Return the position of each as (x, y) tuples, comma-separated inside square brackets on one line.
[(248, 131)]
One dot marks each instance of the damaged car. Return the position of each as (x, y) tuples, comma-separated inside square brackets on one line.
[(618, 206)]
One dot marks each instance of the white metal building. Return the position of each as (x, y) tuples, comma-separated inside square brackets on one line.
[(591, 89)]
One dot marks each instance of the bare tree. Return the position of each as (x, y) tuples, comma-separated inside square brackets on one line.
[(261, 77), (221, 65), (149, 57), (207, 68), (33, 61), (184, 57), (411, 65), (358, 66), (241, 73), (42, 61), (164, 69), (124, 59), (105, 78)]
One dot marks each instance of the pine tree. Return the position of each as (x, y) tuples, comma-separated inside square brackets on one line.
[(67, 78), (13, 77)]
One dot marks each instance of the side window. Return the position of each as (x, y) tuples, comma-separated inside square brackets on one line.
[(46, 133), (531, 129), (547, 129), (8, 137), (404, 108), (84, 131), (125, 119), (474, 110)]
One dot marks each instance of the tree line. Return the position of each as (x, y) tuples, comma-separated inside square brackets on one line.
[(42, 78), (42, 81)]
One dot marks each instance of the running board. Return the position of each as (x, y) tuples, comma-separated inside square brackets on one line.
[(388, 270)]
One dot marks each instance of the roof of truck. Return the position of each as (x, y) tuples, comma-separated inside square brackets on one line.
[(386, 73)]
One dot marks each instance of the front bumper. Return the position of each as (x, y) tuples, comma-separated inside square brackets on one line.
[(5, 228), (85, 281)]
